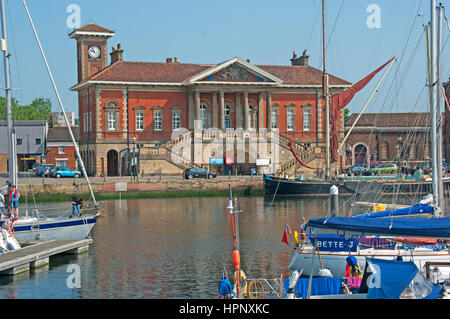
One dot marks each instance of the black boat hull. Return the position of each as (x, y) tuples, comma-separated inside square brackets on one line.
[(280, 186)]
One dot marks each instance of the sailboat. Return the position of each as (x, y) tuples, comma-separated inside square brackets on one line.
[(406, 236), (41, 225), (279, 184)]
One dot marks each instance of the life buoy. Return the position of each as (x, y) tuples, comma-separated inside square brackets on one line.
[(243, 279)]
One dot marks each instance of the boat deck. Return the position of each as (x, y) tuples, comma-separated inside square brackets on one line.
[(34, 254)]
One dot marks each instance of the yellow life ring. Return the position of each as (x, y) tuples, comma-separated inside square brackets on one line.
[(254, 293), (243, 289)]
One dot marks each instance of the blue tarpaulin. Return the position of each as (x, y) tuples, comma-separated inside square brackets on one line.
[(389, 278), (319, 286)]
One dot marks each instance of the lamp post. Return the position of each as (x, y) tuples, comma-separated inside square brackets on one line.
[(133, 159)]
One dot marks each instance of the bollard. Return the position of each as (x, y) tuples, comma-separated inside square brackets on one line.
[(334, 193)]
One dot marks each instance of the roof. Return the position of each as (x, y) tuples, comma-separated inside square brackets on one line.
[(410, 119), (93, 28), (61, 134), (25, 123), (177, 73)]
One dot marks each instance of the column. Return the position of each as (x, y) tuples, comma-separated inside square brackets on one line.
[(238, 111), (197, 106), (246, 113), (191, 111), (222, 109), (269, 110), (261, 110), (215, 110)]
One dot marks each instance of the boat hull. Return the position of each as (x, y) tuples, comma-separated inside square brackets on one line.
[(336, 261), (280, 186), (66, 229)]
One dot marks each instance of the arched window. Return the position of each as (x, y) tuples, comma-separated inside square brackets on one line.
[(204, 116), (251, 114), (227, 113)]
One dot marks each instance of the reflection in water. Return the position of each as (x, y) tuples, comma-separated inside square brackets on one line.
[(172, 248)]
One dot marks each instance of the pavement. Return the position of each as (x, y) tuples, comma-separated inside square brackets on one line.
[(31, 178)]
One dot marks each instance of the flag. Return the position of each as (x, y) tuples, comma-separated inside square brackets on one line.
[(339, 101), (286, 233)]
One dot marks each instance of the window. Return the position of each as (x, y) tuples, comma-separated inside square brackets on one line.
[(204, 116), (112, 125), (290, 120), (227, 110), (38, 141), (251, 113), (157, 121), (61, 150), (139, 121), (176, 121), (306, 120), (19, 141), (274, 119), (61, 162)]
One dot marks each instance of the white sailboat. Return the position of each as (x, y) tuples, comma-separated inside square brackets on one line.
[(41, 225), (389, 227)]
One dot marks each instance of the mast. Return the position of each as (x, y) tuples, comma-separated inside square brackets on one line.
[(327, 98), (433, 106), (12, 162), (83, 169), (439, 107)]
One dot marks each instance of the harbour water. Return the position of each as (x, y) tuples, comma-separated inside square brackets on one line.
[(170, 248)]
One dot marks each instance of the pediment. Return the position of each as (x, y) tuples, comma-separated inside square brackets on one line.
[(235, 70)]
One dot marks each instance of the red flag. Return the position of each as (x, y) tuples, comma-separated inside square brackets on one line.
[(286, 233), (339, 101)]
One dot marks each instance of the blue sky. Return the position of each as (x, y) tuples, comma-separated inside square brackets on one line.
[(201, 31)]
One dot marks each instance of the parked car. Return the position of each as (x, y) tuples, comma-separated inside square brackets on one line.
[(348, 169), (374, 163), (35, 166), (361, 171), (195, 172), (43, 170), (62, 171), (386, 168), (447, 167)]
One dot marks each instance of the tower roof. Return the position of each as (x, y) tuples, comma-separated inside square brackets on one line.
[(91, 30)]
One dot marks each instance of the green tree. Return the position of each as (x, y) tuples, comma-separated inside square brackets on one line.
[(38, 109), (346, 114)]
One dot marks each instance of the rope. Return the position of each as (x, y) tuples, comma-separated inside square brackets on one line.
[(255, 294)]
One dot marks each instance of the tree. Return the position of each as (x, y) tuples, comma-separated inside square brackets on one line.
[(346, 114), (38, 109)]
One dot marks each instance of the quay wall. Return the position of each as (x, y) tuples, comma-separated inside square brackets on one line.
[(176, 188)]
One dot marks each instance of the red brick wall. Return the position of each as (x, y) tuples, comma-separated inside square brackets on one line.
[(52, 154)]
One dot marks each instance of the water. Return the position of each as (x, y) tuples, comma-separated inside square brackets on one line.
[(170, 248)]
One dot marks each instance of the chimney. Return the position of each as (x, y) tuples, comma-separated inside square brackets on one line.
[(175, 60), (248, 60), (168, 60), (300, 61), (116, 55)]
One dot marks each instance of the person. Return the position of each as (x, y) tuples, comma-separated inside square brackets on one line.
[(2, 206), (75, 206), (14, 196)]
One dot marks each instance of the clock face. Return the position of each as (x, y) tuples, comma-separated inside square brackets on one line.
[(94, 52)]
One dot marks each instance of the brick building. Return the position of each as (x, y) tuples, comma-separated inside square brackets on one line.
[(124, 104), (60, 150), (401, 138)]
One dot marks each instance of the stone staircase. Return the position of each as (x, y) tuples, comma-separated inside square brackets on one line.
[(306, 153)]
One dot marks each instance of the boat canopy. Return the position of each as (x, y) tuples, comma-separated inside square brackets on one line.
[(407, 211), (404, 227)]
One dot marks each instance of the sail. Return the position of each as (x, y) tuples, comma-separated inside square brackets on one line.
[(339, 101), (407, 211), (404, 227)]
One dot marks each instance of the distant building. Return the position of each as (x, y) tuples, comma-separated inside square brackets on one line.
[(30, 143), (58, 119), (60, 150), (122, 103), (401, 138)]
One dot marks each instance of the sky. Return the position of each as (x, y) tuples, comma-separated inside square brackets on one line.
[(358, 38)]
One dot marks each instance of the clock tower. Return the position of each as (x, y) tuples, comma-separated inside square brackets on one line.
[(92, 54)]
